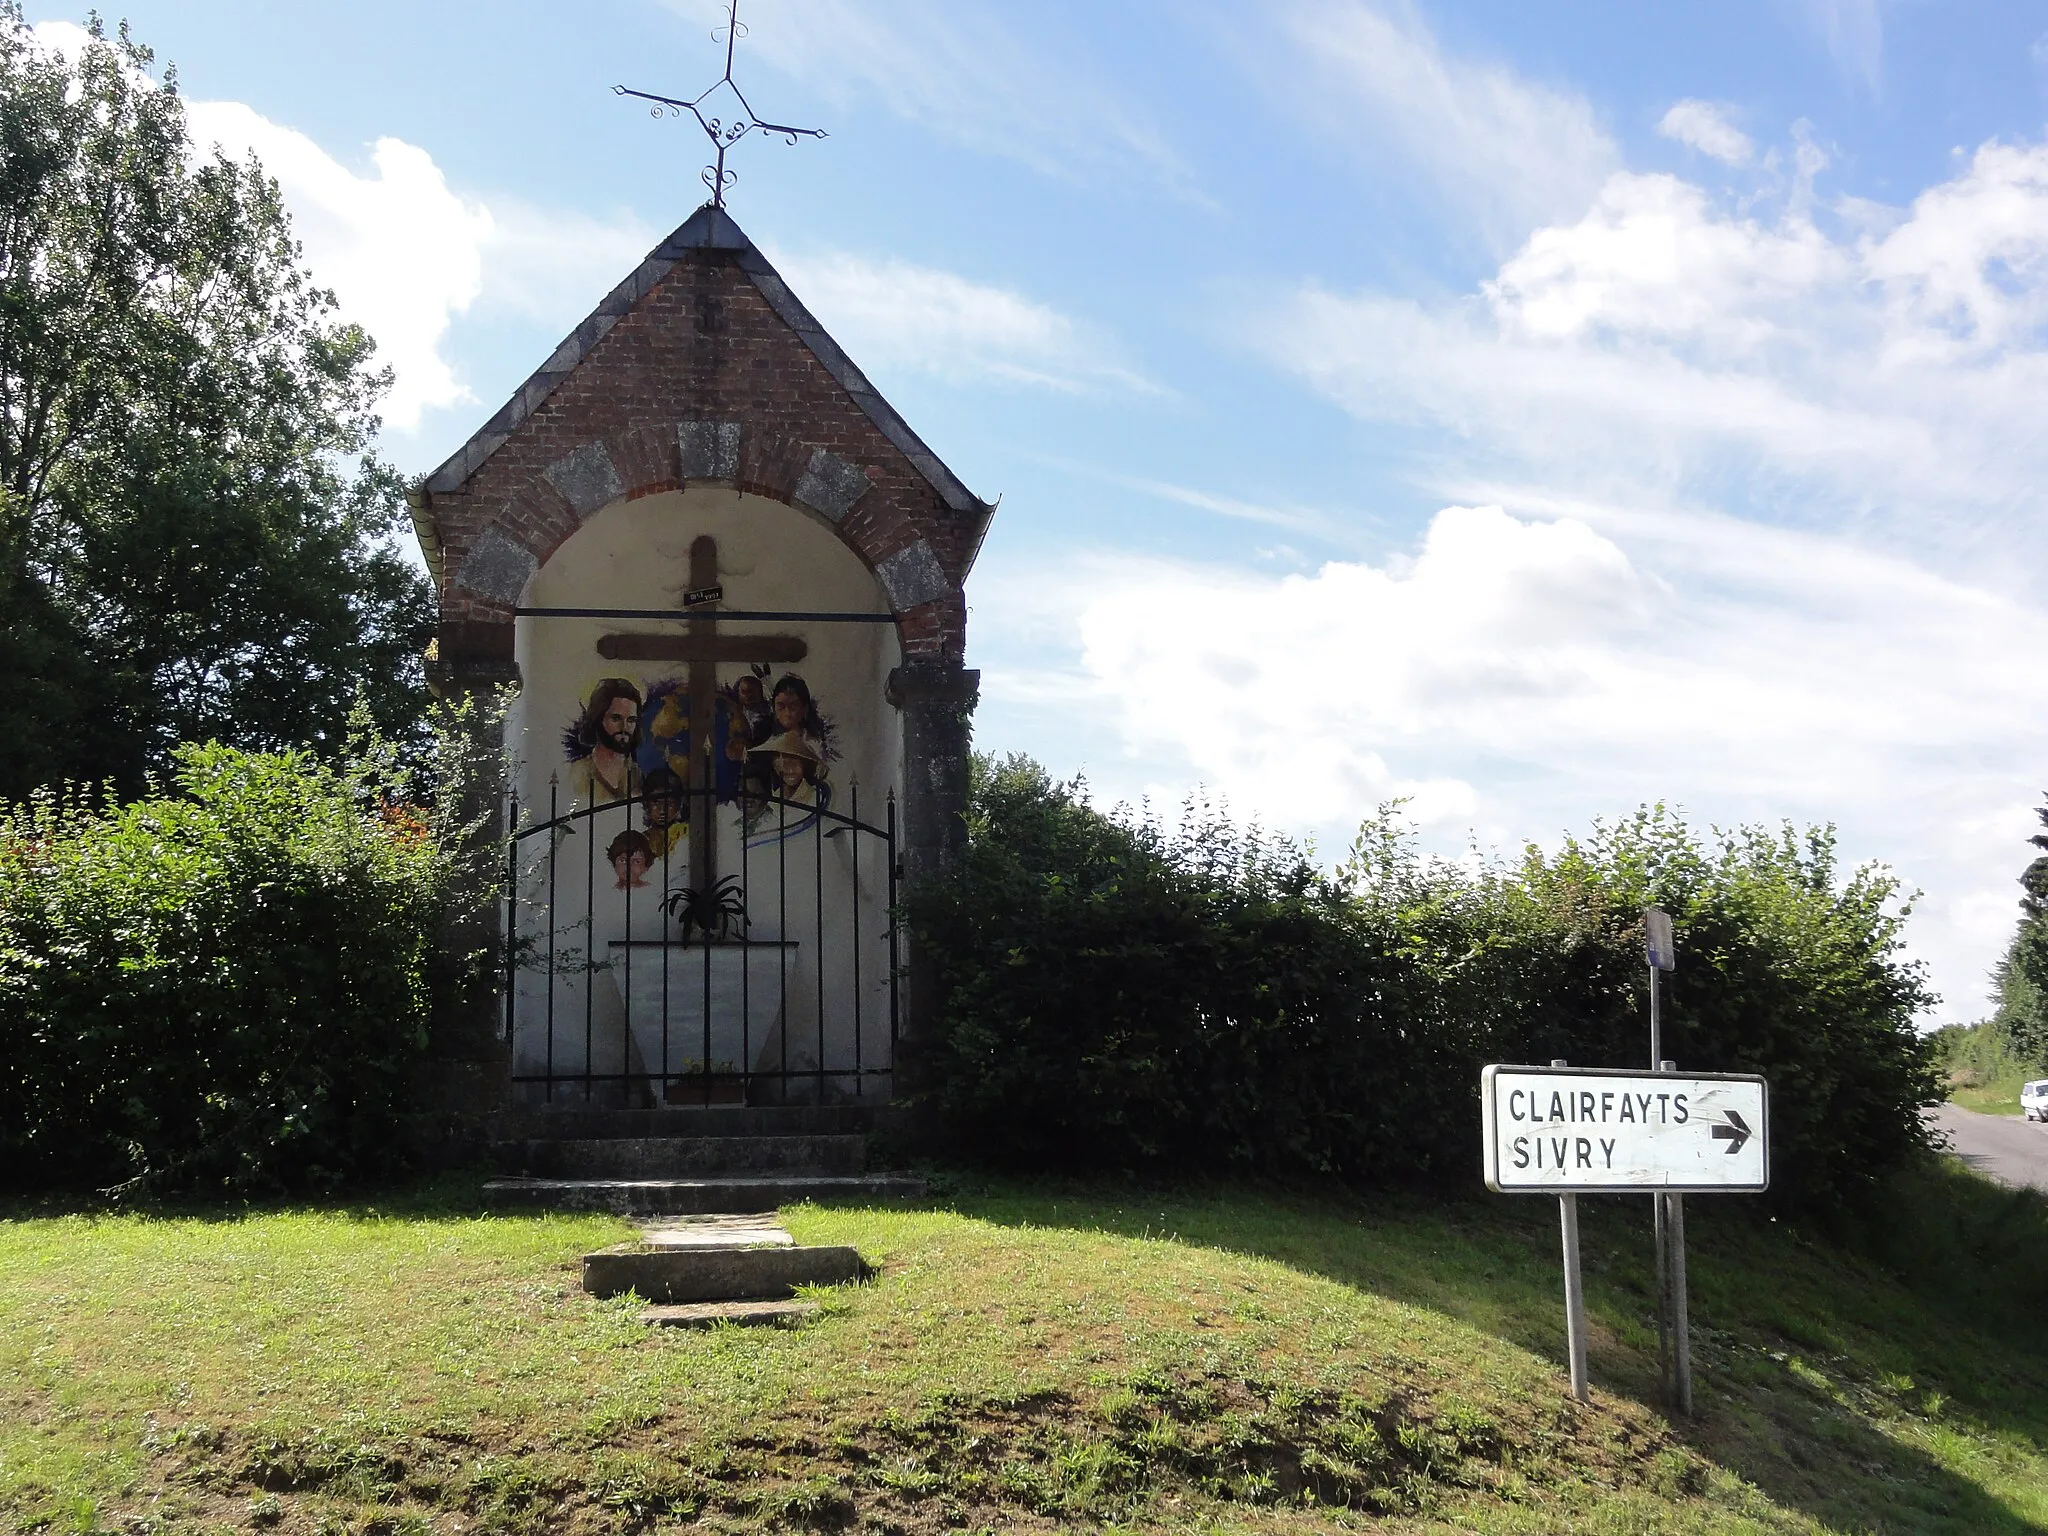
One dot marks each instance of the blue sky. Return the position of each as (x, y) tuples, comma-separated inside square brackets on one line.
[(1530, 411)]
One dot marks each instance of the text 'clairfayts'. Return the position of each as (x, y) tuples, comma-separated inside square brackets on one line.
[(1586, 1130)]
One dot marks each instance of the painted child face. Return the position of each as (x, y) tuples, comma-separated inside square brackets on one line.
[(661, 810)]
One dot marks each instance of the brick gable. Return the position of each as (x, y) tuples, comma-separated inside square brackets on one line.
[(701, 367)]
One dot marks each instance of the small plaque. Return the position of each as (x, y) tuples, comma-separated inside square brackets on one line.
[(697, 597)]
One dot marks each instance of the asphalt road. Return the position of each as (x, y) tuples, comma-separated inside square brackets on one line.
[(2009, 1149)]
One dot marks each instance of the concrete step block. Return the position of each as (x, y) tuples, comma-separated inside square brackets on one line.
[(682, 1157), (744, 1314), (668, 1276), (692, 1197), (756, 1231)]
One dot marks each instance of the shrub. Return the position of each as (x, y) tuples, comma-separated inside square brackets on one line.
[(1117, 996), (1114, 997), (221, 986)]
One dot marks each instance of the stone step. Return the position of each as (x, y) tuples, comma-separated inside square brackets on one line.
[(685, 1197), (749, 1231), (744, 1314), (568, 1121), (682, 1157), (670, 1276)]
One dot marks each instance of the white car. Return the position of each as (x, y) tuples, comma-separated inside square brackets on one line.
[(2034, 1100)]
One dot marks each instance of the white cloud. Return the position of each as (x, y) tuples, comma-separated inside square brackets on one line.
[(1440, 643), (1765, 480), (1521, 673), (68, 39), (402, 252), (1704, 126), (896, 315), (1887, 371), (962, 70), (1297, 518), (552, 265), (1514, 151), (1854, 33), (408, 256), (405, 254)]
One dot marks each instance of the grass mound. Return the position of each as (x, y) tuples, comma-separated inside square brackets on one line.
[(1104, 1358)]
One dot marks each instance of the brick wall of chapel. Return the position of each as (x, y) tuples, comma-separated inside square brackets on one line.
[(702, 345)]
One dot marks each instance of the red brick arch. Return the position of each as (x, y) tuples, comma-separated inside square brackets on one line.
[(701, 368)]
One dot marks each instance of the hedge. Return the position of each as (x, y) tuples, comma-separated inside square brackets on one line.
[(1116, 995)]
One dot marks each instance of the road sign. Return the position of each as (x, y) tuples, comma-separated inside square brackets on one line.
[(1657, 940), (1590, 1131)]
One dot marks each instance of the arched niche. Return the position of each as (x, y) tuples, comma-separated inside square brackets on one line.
[(772, 557)]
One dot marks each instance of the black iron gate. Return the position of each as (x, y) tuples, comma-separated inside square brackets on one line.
[(779, 983)]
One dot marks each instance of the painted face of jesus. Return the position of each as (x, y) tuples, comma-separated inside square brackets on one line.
[(620, 725)]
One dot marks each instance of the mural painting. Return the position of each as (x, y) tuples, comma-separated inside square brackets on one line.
[(601, 745), (631, 858), (788, 747), (771, 754)]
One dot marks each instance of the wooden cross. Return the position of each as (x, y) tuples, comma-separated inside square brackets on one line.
[(703, 647)]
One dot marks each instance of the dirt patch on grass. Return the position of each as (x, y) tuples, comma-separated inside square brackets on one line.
[(1161, 1446)]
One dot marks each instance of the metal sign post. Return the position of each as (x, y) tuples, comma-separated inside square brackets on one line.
[(1674, 1343), (1574, 1288), (1678, 1389), (1568, 1131)]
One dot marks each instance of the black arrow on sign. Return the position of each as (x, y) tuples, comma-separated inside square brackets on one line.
[(1736, 1132)]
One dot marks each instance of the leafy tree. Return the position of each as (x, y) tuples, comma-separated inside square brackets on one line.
[(195, 540), (2022, 976)]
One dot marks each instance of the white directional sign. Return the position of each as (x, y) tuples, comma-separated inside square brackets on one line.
[(1566, 1130)]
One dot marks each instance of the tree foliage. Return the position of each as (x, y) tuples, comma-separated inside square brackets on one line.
[(2021, 1015), (1117, 995), (195, 541)]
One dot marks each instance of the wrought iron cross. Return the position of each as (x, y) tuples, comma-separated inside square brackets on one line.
[(727, 130)]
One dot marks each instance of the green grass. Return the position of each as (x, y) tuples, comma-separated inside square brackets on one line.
[(1983, 1074), (1994, 1095), (1998, 1096), (1092, 1357)]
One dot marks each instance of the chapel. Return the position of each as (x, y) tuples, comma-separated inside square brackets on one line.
[(722, 580)]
